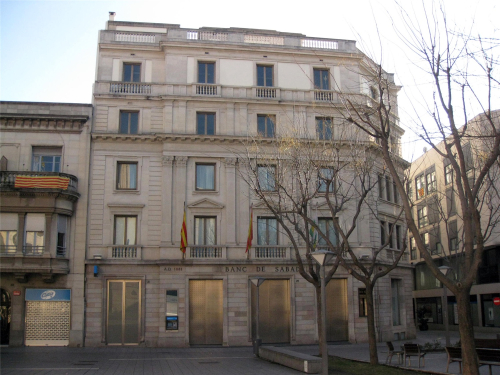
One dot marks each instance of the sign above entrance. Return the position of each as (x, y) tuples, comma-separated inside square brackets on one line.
[(16, 293), (48, 295)]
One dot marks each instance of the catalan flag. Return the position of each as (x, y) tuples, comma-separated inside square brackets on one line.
[(184, 241), (47, 182), (250, 231)]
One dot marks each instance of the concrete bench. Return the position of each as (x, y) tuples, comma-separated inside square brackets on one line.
[(298, 361)]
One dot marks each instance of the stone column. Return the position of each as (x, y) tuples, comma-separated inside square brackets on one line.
[(20, 233), (179, 198), (167, 200), (48, 233), (231, 215)]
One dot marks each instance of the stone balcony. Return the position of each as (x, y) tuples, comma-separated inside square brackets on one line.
[(25, 182)]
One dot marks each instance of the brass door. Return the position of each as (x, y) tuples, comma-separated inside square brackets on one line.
[(205, 312), (124, 312), (274, 311), (336, 310)]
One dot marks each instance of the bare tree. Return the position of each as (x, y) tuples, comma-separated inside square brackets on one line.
[(298, 178), (463, 71)]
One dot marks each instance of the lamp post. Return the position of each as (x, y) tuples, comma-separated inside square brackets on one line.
[(444, 270), (322, 257), (257, 281)]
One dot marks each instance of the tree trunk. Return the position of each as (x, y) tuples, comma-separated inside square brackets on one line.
[(372, 335), (319, 320), (466, 329)]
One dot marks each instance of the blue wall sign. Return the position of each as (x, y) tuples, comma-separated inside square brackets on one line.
[(48, 295)]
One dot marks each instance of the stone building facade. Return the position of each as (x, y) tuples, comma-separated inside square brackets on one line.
[(171, 107), (44, 151)]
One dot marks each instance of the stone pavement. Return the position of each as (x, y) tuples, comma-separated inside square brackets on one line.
[(194, 361)]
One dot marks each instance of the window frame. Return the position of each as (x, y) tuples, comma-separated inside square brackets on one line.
[(206, 72), (10, 235), (267, 167), (323, 124), (362, 303), (129, 122), (118, 175), (448, 174), (40, 152), (267, 226), (268, 120), (322, 182), (321, 76), (132, 75), (205, 122), (204, 220), (383, 234), (413, 249), (265, 73), (126, 217), (431, 182), (420, 186), (422, 216), (205, 164), (327, 220)]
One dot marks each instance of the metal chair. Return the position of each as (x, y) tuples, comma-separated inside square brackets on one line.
[(392, 352), (413, 350)]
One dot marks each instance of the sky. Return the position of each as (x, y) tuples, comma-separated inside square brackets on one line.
[(48, 48)]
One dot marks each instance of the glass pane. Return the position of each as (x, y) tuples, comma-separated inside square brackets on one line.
[(205, 179), (322, 228), (317, 78), (119, 231), (199, 231), (131, 312), (172, 302), (270, 127), (115, 312), (210, 73), (137, 73), (30, 238), (260, 76), (127, 72), (332, 235), (124, 122), (261, 125), (39, 238), (210, 231), (273, 231), (200, 123), (134, 122), (47, 164), (269, 75), (210, 124), (261, 231), (4, 238), (131, 228)]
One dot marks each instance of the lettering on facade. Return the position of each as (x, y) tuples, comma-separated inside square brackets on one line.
[(235, 269), (169, 269), (286, 269), (244, 269)]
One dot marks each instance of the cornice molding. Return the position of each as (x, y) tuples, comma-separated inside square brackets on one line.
[(42, 123)]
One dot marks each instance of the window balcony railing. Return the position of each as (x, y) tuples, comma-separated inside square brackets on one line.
[(265, 92), (130, 88), (38, 180), (324, 95), (8, 249), (270, 252), (33, 250), (124, 252), (206, 89), (205, 251)]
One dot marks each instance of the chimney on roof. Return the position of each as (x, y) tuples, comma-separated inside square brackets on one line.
[(112, 16)]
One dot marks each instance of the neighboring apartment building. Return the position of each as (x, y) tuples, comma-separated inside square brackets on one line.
[(44, 151), (432, 189), (171, 107)]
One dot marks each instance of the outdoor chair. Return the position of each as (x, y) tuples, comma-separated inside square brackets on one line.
[(392, 352), (413, 350)]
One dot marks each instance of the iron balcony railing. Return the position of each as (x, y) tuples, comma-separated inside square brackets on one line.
[(8, 249), (33, 250), (8, 180)]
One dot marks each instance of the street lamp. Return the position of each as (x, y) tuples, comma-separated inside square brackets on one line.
[(322, 257), (444, 270), (257, 281)]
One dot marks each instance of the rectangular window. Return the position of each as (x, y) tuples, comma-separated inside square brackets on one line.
[(62, 230), (397, 301), (420, 184), (448, 174), (205, 231), (422, 216), (34, 235), (326, 178), (451, 202), (266, 175), (267, 231), (398, 237), (382, 233), (205, 123), (129, 122), (8, 241), (391, 236), (131, 72), (125, 230), (126, 176), (453, 233), (381, 187), (327, 227), (467, 150), (425, 240), (363, 308), (413, 249), (205, 176), (206, 72), (46, 159), (388, 194), (172, 311), (265, 125), (324, 128), (265, 75), (431, 182), (321, 79), (395, 192), (409, 190)]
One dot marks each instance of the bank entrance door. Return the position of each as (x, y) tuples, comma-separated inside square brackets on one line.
[(124, 312), (205, 312), (274, 311), (5, 316), (336, 310)]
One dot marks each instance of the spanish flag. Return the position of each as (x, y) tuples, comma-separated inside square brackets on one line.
[(184, 241), (250, 231)]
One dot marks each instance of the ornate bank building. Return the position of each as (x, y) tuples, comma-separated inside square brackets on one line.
[(171, 106)]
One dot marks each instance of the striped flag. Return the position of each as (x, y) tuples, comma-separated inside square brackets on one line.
[(184, 241), (49, 182), (250, 231)]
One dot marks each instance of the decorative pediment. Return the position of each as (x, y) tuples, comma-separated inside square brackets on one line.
[(206, 203)]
